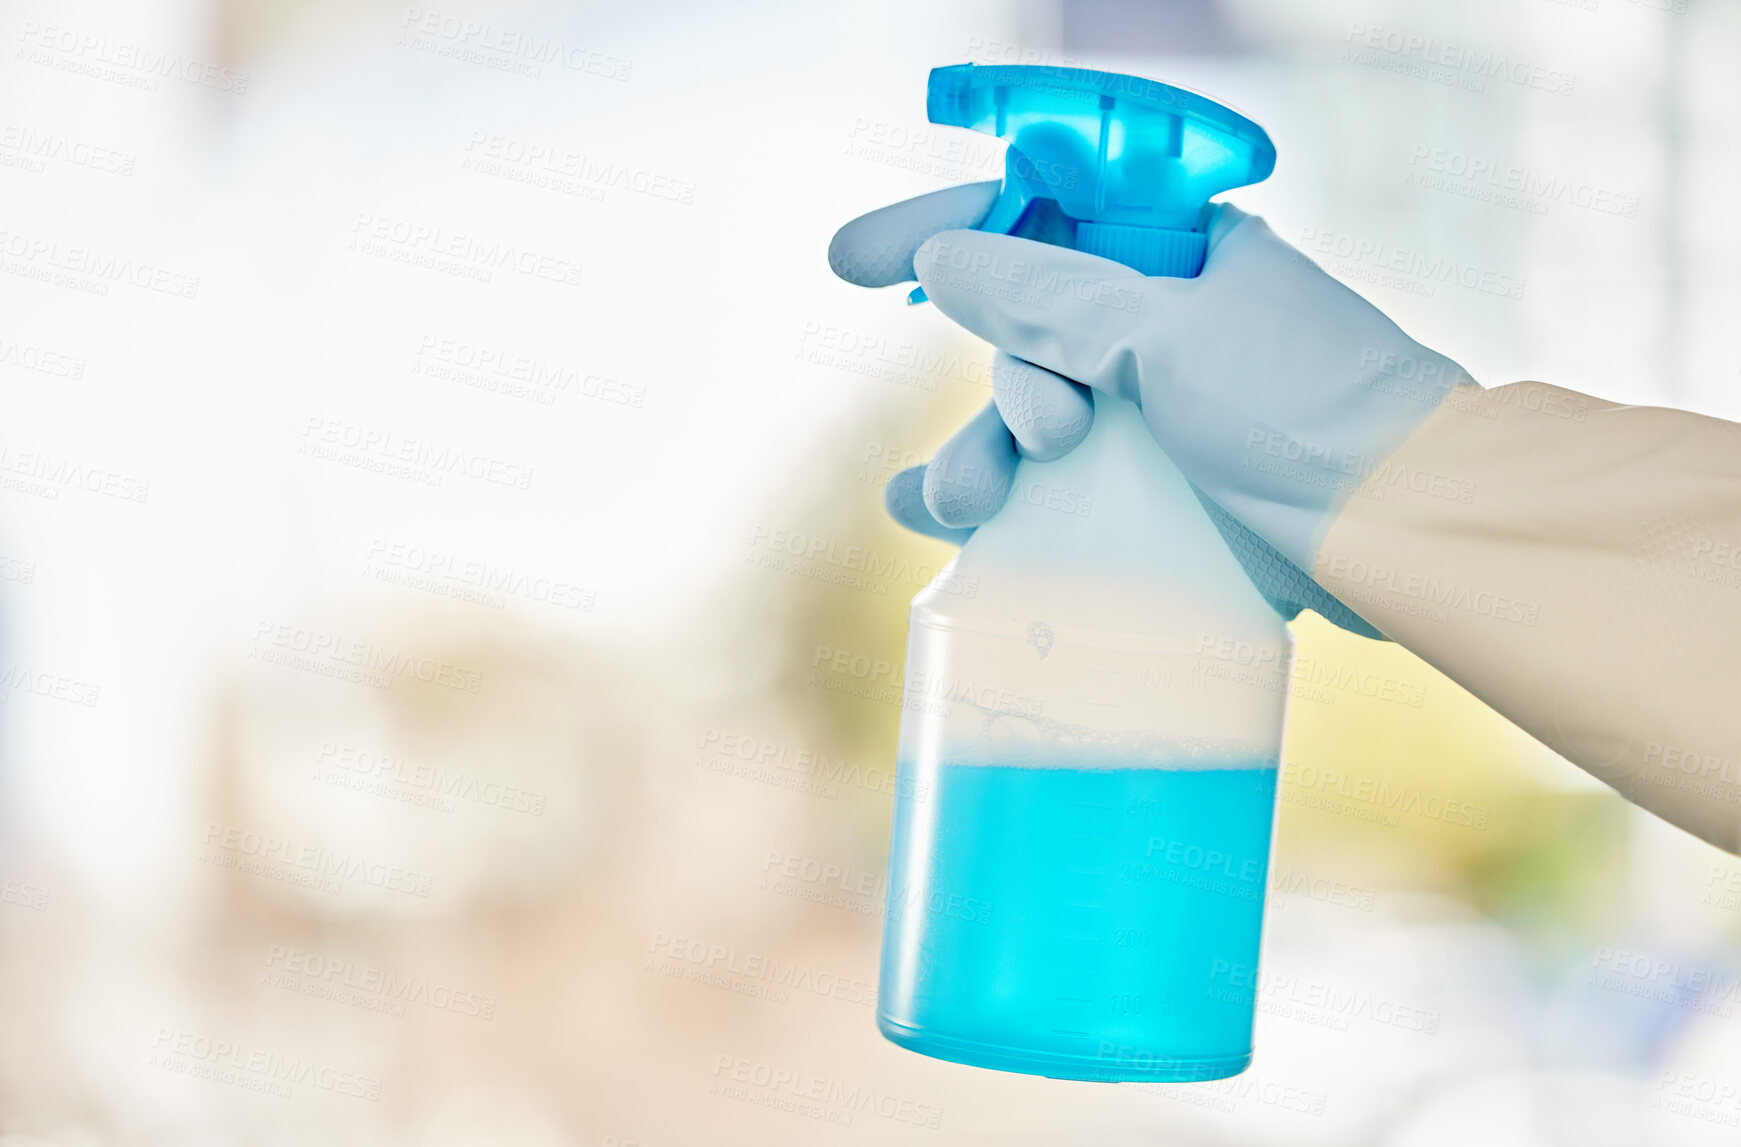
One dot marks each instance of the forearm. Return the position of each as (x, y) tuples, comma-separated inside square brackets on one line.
[(1577, 565)]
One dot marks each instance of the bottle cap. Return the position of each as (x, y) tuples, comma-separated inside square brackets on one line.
[(1131, 161)]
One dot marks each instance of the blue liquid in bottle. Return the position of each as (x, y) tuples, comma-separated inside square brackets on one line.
[(1079, 923)]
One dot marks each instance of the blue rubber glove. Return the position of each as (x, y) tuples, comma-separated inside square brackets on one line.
[(1274, 388)]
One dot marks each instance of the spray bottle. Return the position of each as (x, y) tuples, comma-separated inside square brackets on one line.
[(1090, 739)]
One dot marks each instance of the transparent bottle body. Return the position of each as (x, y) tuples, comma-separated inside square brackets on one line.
[(1089, 756)]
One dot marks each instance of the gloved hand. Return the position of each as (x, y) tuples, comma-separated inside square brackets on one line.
[(1273, 388)]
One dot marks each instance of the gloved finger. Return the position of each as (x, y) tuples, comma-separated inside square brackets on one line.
[(1047, 414), (905, 498), (1067, 311), (876, 250), (968, 480)]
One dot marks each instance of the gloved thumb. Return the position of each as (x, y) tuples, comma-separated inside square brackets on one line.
[(876, 249)]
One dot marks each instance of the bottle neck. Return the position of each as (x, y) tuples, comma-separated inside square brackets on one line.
[(1116, 506), (1155, 251), (1108, 539)]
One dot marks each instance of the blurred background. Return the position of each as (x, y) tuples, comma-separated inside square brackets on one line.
[(432, 460)]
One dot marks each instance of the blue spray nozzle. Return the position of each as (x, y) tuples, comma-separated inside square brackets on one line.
[(1130, 161)]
